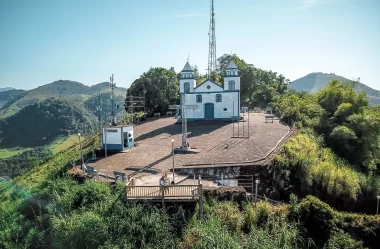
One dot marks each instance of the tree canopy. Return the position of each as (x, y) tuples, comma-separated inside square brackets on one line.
[(342, 115), (162, 88)]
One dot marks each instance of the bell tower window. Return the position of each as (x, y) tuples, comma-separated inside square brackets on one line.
[(231, 85), (186, 87)]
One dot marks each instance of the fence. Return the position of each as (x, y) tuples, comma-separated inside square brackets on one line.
[(169, 192)]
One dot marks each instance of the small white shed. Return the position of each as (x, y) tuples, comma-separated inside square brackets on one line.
[(117, 138)]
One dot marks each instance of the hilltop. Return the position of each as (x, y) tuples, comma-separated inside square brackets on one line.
[(314, 82), (9, 95), (42, 123), (65, 89), (6, 89)]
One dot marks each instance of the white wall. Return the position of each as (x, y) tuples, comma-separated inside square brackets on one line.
[(193, 84), (129, 129), (227, 102), (237, 82), (213, 87), (112, 137)]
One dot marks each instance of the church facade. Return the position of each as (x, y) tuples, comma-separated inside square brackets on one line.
[(209, 100)]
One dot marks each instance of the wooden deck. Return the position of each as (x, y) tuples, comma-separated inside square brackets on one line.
[(171, 193)]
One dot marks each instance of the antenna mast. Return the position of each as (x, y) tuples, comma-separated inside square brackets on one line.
[(212, 43), (112, 85)]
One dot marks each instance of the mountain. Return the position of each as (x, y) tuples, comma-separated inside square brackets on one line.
[(10, 95), (6, 89), (43, 122), (314, 82), (72, 91)]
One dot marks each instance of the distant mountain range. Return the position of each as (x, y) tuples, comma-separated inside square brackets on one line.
[(42, 115), (314, 82), (43, 122), (6, 89), (72, 91)]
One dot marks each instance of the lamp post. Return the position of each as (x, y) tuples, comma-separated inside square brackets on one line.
[(173, 158), (377, 209), (257, 183), (144, 91), (81, 154)]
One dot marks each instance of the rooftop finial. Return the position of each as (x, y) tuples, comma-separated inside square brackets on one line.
[(188, 57)]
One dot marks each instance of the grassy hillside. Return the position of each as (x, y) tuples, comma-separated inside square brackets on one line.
[(69, 90), (42, 123), (10, 95), (316, 81)]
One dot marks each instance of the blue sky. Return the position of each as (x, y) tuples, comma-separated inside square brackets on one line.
[(42, 41)]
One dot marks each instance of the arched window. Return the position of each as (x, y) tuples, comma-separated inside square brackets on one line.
[(228, 73), (186, 87), (231, 85)]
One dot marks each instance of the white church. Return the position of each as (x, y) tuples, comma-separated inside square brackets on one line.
[(209, 100)]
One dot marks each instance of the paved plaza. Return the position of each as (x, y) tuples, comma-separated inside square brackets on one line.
[(212, 143)]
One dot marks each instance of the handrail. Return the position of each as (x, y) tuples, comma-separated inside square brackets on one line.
[(162, 192)]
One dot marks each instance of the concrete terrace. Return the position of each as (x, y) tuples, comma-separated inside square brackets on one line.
[(212, 143)]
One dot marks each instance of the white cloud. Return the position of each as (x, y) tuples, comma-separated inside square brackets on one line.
[(307, 4)]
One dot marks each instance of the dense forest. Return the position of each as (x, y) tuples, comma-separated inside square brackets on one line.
[(43, 122)]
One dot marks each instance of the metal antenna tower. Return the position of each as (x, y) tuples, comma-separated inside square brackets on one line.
[(212, 43), (112, 85), (184, 120)]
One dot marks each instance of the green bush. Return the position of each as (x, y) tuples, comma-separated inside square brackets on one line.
[(80, 230), (342, 240), (317, 217)]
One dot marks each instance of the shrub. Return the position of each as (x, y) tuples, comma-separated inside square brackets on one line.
[(229, 214), (80, 230), (342, 240), (210, 234), (317, 217)]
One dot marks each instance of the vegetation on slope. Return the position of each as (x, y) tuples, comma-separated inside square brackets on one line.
[(44, 208), (336, 154), (6, 96), (65, 89), (42, 123), (315, 82), (349, 126)]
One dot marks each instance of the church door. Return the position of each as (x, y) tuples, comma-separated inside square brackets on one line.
[(209, 111)]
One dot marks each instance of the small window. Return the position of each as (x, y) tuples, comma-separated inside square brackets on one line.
[(231, 85), (225, 109), (199, 98), (187, 87), (218, 98), (228, 73), (208, 86)]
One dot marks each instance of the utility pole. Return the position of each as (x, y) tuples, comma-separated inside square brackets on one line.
[(173, 159), (112, 85), (257, 183)]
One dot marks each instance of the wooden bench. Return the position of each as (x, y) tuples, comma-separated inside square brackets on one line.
[(269, 117), (120, 175), (157, 115), (169, 113)]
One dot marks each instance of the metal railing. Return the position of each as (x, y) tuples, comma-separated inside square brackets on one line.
[(162, 192)]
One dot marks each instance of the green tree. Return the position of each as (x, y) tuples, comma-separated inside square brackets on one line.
[(162, 89)]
